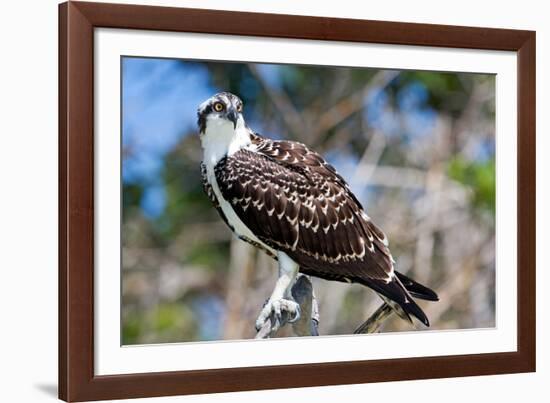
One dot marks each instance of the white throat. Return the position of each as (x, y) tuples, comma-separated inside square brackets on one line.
[(220, 138)]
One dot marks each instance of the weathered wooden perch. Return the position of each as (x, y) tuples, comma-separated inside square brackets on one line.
[(307, 325)]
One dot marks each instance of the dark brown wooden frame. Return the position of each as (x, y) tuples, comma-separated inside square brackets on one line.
[(77, 21)]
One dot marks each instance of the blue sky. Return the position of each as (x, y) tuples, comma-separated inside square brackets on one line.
[(160, 98)]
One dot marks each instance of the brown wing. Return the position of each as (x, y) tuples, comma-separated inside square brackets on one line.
[(296, 202)]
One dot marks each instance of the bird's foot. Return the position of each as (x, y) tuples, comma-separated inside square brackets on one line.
[(283, 311)]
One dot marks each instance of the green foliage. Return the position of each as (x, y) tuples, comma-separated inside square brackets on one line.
[(210, 256), (167, 321), (131, 328), (479, 177), (132, 194)]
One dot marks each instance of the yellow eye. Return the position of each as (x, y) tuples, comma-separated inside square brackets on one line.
[(218, 107), (240, 108)]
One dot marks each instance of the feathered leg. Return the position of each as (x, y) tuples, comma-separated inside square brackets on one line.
[(281, 297)]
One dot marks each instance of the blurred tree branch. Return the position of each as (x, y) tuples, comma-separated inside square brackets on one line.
[(283, 103), (353, 103)]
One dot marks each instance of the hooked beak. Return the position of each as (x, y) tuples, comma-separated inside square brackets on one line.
[(233, 116)]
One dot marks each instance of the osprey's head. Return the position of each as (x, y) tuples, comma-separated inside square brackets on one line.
[(222, 108)]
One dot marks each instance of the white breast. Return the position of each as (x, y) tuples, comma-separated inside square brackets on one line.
[(221, 139), (238, 226)]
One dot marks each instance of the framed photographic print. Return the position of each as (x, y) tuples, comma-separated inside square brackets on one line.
[(253, 201)]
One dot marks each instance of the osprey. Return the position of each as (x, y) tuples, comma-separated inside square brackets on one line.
[(288, 201)]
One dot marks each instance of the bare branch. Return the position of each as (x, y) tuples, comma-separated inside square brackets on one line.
[(353, 103), (373, 323), (282, 102), (369, 161)]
